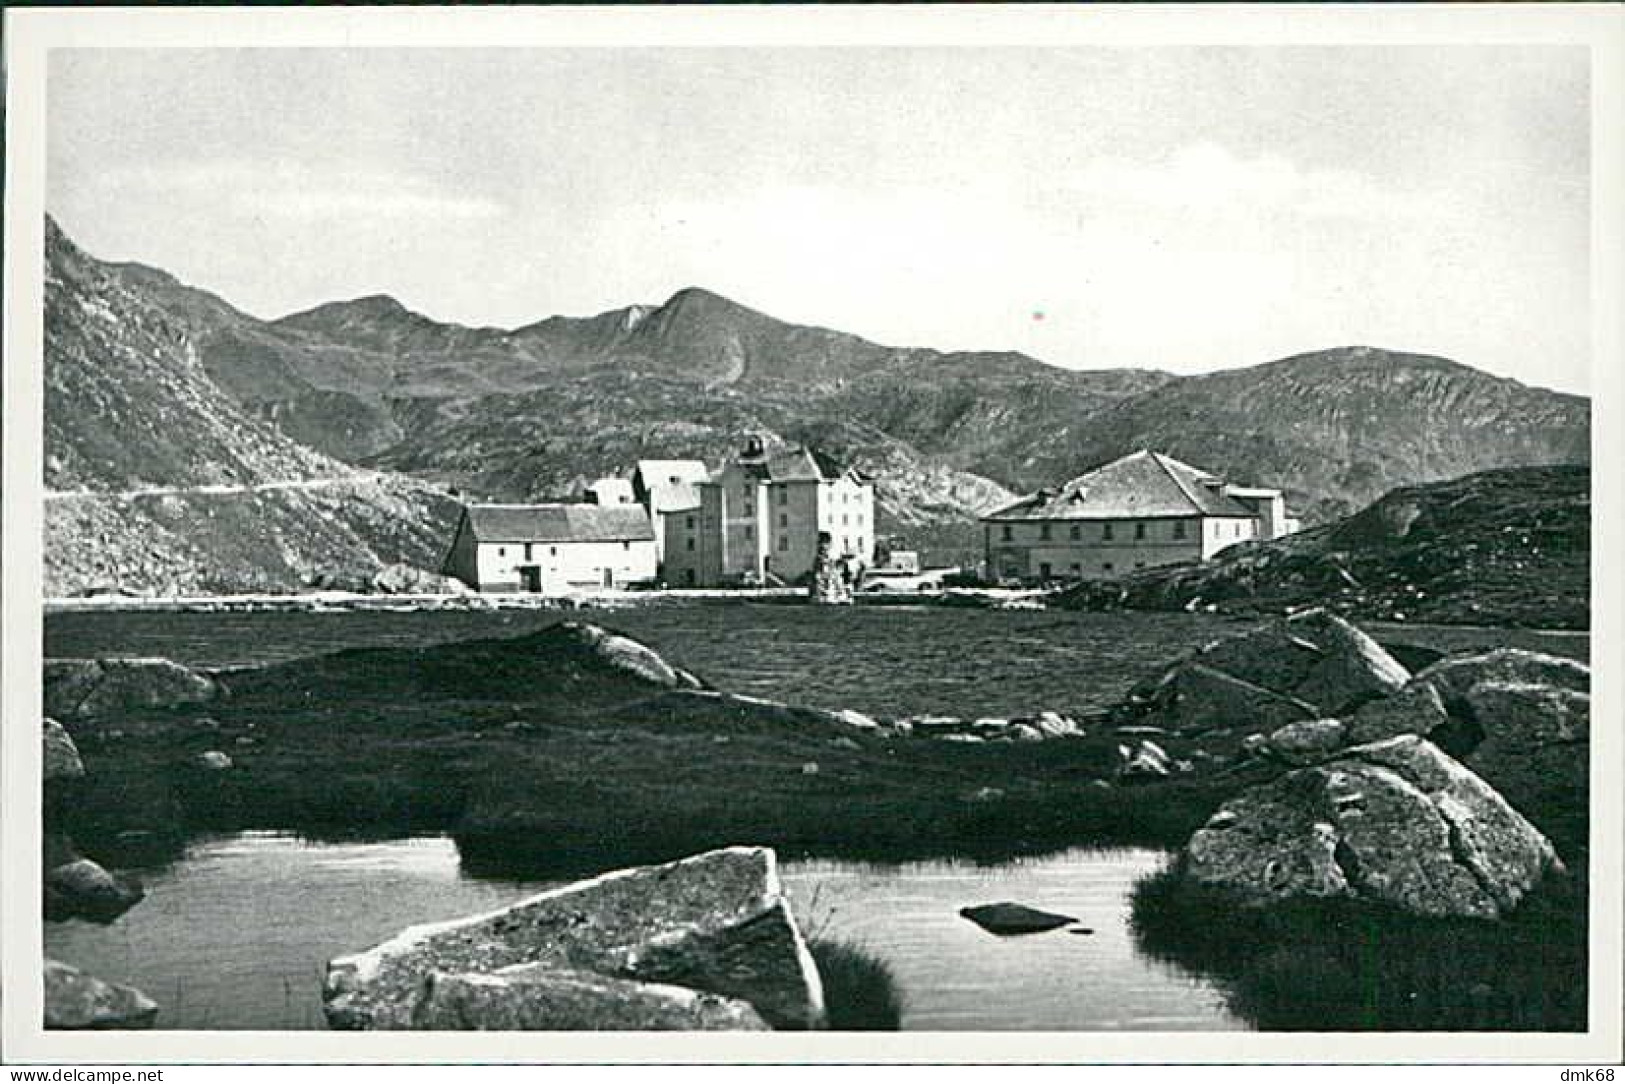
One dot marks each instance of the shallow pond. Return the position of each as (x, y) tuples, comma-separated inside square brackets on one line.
[(236, 935)]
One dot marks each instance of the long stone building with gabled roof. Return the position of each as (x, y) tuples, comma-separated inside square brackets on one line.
[(1141, 510), (552, 548)]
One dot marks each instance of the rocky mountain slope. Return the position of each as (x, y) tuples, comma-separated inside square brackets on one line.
[(1502, 547), (160, 481)]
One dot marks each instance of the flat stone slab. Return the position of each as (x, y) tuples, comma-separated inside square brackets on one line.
[(717, 923), (535, 997), (77, 1001), (1007, 919)]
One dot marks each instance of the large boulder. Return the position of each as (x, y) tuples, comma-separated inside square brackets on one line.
[(59, 757), (717, 922), (1454, 676), (1314, 656), (1396, 822), (78, 688), (1415, 709), (536, 997), (1306, 742), (402, 579), (75, 1000), (1310, 665), (81, 888), (1535, 744), (621, 653)]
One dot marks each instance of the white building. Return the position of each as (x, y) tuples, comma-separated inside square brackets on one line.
[(552, 548)]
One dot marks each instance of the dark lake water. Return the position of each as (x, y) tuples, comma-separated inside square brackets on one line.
[(235, 935), (893, 660)]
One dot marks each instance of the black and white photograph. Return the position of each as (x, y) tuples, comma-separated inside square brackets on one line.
[(1069, 530)]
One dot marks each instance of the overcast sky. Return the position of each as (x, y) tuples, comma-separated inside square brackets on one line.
[(1183, 209)]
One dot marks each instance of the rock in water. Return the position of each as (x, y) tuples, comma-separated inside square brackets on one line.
[(716, 923), (75, 1000), (1396, 822), (60, 757), (536, 997), (1008, 918), (80, 888), (76, 688)]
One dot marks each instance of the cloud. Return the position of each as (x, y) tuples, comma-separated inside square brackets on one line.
[(296, 192)]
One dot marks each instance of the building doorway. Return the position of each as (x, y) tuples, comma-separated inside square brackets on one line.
[(609, 577), (530, 578)]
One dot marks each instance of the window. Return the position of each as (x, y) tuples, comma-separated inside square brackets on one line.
[(690, 546), (784, 495), (1139, 531), (1139, 564), (750, 509), (1043, 534), (527, 551), (626, 545), (784, 543), (784, 519), (690, 523), (1105, 566), (1105, 532), (1179, 528), (843, 519), (1076, 534), (1004, 531), (502, 551), (1043, 570), (1077, 569)]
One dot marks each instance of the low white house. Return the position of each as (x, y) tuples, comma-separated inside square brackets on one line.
[(552, 548)]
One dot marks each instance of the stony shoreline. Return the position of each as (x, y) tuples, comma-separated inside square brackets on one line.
[(347, 602)]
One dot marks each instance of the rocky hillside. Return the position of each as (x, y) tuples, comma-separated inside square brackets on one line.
[(1503, 547), (1336, 428), (160, 481)]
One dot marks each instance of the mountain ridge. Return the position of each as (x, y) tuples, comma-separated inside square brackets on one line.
[(534, 411)]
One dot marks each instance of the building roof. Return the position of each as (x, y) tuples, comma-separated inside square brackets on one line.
[(1138, 486), (796, 464), (612, 490), (560, 523), (670, 485)]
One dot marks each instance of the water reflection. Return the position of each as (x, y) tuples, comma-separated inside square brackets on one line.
[(236, 934)]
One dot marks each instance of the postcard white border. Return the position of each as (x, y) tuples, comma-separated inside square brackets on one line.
[(31, 32)]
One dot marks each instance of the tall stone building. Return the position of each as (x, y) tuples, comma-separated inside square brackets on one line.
[(759, 520)]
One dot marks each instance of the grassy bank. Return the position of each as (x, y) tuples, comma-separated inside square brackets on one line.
[(860, 991), (1336, 966)]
